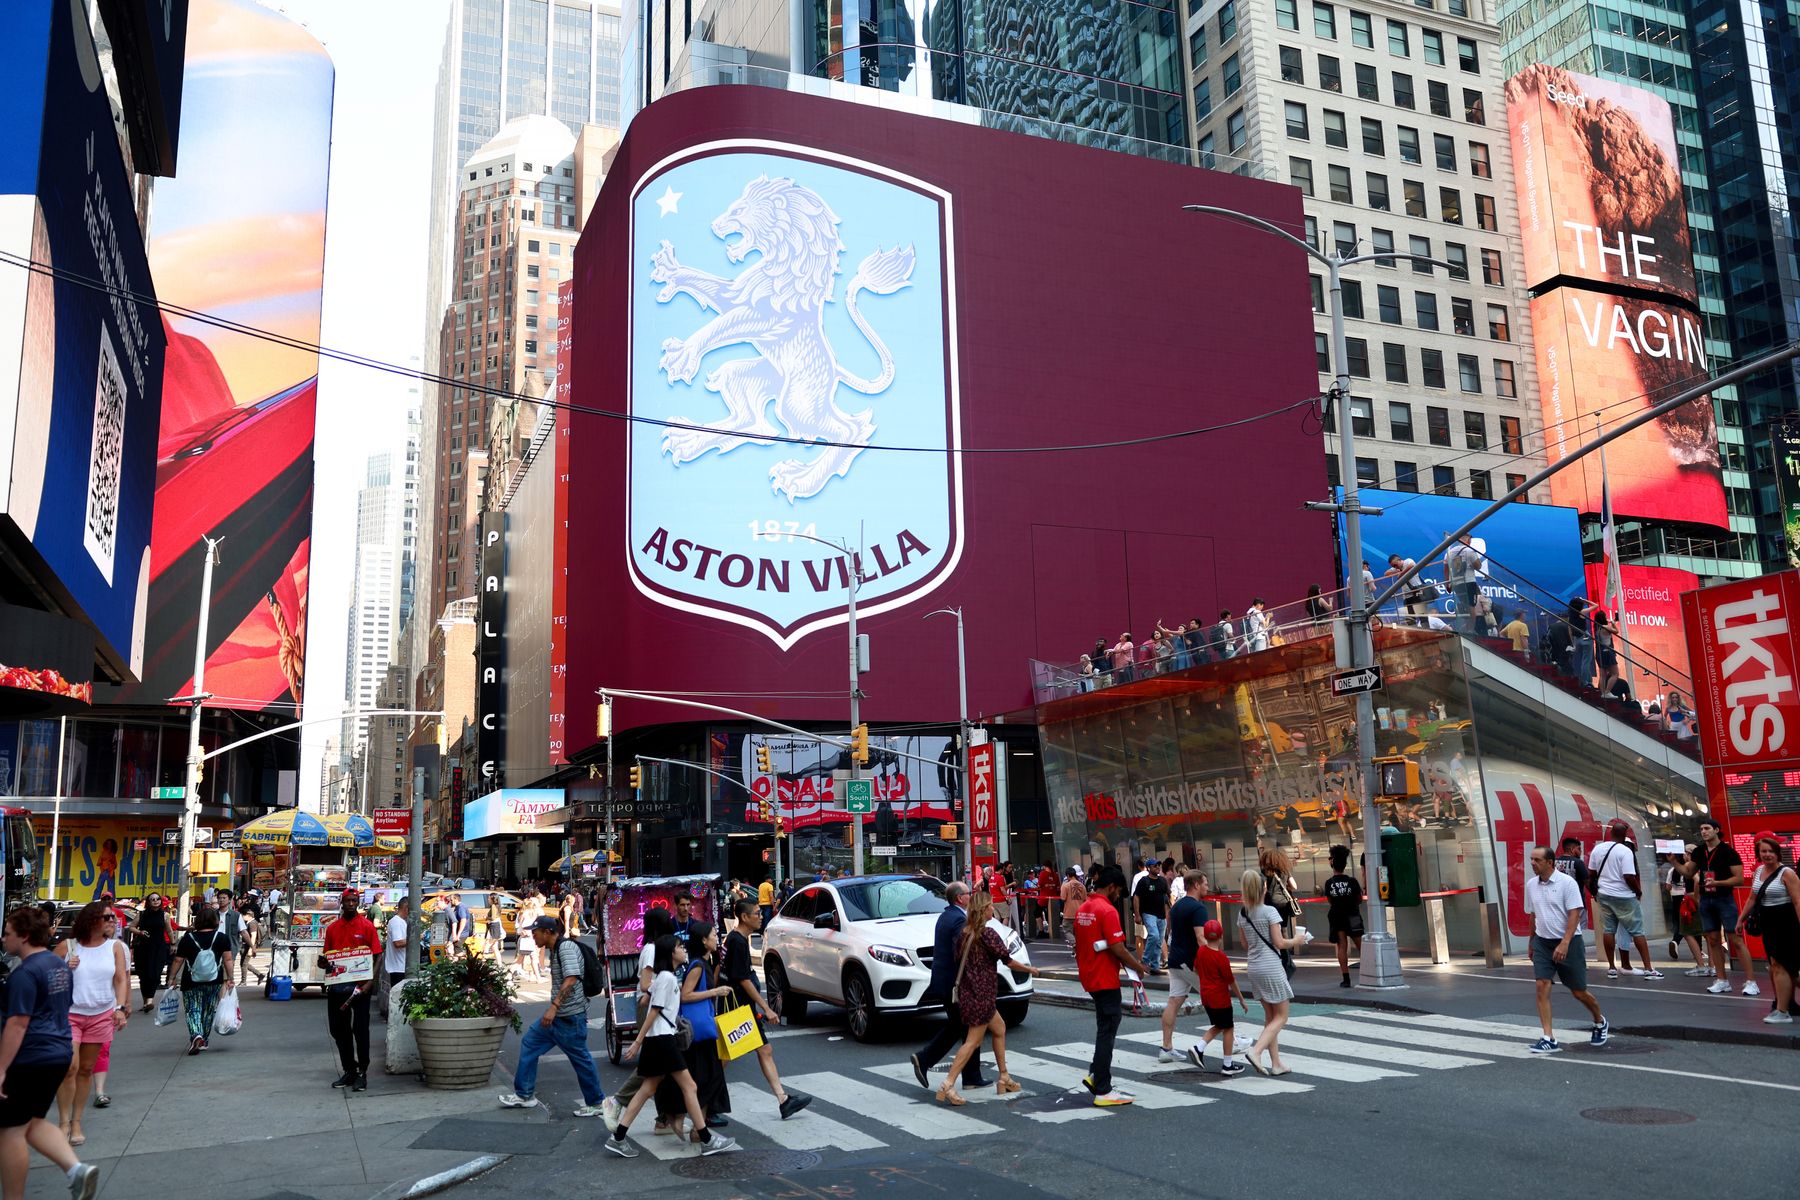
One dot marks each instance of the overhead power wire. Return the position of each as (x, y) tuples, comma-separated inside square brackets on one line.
[(376, 364)]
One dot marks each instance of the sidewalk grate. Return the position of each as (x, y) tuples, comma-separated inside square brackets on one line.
[(462, 1133), (1637, 1116), (745, 1164)]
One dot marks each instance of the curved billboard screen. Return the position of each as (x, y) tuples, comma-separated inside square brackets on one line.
[(240, 234)]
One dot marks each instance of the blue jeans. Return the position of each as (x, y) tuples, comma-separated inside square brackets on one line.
[(1153, 942), (1584, 661), (569, 1034)]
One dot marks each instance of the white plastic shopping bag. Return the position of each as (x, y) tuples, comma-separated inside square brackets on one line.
[(229, 1018), (168, 1007)]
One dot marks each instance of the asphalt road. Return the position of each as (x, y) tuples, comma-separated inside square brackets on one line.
[(1378, 1104)]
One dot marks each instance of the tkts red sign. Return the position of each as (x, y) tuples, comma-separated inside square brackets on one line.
[(984, 816), (1742, 649)]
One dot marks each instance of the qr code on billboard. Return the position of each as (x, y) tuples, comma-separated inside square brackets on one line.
[(101, 532)]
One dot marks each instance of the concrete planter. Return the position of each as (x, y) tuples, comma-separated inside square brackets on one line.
[(459, 1052)]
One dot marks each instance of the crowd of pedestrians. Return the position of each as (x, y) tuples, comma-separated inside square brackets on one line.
[(1195, 642)]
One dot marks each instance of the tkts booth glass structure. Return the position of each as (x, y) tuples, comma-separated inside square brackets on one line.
[(1212, 764), (1741, 639)]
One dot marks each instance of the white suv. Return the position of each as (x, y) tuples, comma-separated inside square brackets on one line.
[(866, 944)]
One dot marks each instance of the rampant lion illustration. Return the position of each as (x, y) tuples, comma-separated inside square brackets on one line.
[(777, 306)]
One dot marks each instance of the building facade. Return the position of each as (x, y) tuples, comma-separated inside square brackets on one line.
[(1389, 118)]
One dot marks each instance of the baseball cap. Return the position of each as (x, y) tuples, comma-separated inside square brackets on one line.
[(1212, 929), (1711, 820), (547, 924)]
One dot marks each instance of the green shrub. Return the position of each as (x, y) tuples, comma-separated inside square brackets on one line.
[(473, 986)]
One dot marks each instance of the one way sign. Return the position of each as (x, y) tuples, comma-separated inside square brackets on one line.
[(1355, 683)]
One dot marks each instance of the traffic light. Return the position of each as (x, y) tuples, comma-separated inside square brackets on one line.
[(762, 761), (859, 745), (603, 721), (947, 832), (765, 809), (1396, 778), (637, 777)]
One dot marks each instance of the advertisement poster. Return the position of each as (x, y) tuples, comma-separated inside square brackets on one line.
[(564, 395), (80, 368), (1746, 669), (626, 906), (349, 966), (1658, 651), (1784, 445), (1599, 183), (240, 234), (102, 854), (1604, 359), (1533, 550), (511, 811), (806, 794)]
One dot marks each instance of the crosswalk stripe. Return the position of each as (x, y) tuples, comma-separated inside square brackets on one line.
[(1249, 1083), (1413, 1035), (1495, 1028), (807, 1130), (1059, 1075), (903, 1073), (666, 1148), (927, 1121), (1400, 1056), (1324, 1068)]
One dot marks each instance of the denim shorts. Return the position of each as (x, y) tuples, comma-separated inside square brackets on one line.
[(1621, 910), (1572, 970), (1718, 913)]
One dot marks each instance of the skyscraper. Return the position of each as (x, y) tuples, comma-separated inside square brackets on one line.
[(502, 59), (1099, 72), (1653, 48), (375, 596)]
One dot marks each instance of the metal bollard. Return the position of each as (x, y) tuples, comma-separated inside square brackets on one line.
[(1492, 946), (1436, 934)]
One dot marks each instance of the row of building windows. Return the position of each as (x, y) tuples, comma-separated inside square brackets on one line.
[(1425, 310), (1413, 194), (1404, 91), (1395, 368), (1362, 34), (1406, 478)]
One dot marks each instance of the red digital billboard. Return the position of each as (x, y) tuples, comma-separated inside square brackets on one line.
[(1599, 182), (1603, 359), (836, 323), (1652, 624), (240, 234)]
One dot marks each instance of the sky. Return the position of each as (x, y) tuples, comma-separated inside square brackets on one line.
[(386, 57)]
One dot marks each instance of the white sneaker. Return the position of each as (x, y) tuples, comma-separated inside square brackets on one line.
[(513, 1100), (1750, 989), (1778, 1018), (1166, 1055), (1720, 987), (585, 1110), (1697, 973)]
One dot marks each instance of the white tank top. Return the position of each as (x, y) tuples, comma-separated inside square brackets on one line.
[(1777, 894), (92, 993)]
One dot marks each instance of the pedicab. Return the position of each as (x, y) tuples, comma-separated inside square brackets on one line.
[(620, 929)]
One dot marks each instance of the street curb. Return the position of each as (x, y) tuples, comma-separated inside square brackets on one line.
[(1717, 1037), (431, 1185)]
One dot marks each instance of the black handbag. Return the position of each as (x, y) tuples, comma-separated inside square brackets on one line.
[(1752, 926), (1286, 956)]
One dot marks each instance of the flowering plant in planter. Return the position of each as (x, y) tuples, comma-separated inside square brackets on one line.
[(461, 987)]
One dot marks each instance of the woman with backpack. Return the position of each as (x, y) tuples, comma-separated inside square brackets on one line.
[(202, 963)]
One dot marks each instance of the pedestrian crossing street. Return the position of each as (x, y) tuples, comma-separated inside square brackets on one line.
[(873, 1107)]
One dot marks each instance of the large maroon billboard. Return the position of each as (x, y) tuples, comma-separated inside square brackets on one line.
[(835, 322)]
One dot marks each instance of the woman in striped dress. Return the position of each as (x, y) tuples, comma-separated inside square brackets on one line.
[(1264, 939)]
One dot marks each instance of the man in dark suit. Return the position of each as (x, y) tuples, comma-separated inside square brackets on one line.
[(943, 979)]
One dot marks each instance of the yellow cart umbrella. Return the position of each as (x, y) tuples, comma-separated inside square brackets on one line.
[(290, 827), (581, 858), (383, 847)]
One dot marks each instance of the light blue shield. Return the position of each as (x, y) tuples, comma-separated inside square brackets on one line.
[(792, 348)]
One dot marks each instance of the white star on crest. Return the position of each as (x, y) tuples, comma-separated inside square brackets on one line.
[(669, 200)]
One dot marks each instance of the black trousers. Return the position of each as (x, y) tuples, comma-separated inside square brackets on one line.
[(945, 1042), (350, 1030), (1108, 1012)]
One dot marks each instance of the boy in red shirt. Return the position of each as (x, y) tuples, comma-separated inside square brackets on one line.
[(1217, 986), (1099, 949)]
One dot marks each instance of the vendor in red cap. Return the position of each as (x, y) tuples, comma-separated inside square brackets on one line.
[(347, 1004)]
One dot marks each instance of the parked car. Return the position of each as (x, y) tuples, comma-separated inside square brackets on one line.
[(865, 944)]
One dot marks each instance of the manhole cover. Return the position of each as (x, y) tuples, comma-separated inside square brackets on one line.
[(1052, 1102), (745, 1164), (1190, 1075), (1637, 1116)]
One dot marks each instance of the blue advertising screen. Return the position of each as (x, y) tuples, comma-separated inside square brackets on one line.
[(1533, 551), (83, 350)]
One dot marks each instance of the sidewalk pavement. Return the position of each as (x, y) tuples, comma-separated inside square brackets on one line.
[(1674, 1008), (255, 1117)]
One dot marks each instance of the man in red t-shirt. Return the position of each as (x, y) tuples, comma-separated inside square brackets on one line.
[(347, 1004), (996, 886), (1099, 949)]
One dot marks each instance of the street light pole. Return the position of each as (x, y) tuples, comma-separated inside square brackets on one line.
[(962, 691), (190, 805), (606, 793), (854, 571), (1381, 955)]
